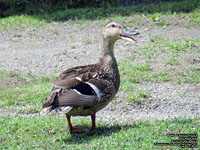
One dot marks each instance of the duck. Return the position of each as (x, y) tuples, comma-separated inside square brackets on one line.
[(84, 90)]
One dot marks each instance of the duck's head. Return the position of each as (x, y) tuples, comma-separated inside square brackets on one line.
[(115, 30)]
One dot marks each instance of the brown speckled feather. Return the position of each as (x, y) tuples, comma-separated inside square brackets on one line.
[(69, 77)]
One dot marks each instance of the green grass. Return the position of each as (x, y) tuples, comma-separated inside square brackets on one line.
[(195, 16), (5, 74), (87, 41), (28, 90), (25, 95), (139, 73), (56, 32), (137, 96), (173, 60), (162, 76), (19, 22), (139, 12), (73, 47), (189, 77), (133, 73), (179, 45), (52, 133), (160, 48)]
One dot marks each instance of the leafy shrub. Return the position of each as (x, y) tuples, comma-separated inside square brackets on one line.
[(13, 7)]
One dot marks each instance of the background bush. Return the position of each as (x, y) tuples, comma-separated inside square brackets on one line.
[(13, 7), (16, 7)]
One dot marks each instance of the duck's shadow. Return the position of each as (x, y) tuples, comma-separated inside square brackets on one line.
[(102, 131)]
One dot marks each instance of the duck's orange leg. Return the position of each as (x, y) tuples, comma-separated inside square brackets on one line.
[(93, 122), (74, 129), (69, 123)]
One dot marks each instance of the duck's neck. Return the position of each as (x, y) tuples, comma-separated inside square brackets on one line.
[(108, 46), (109, 63), (107, 53)]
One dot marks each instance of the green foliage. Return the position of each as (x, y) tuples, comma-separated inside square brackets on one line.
[(40, 6)]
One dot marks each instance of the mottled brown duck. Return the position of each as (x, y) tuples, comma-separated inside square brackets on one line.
[(84, 90)]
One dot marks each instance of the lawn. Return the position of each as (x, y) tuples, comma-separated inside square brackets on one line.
[(52, 133)]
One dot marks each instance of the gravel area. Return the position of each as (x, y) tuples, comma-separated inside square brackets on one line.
[(60, 45), (164, 103)]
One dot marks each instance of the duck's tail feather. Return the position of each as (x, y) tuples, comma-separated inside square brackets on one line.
[(56, 110)]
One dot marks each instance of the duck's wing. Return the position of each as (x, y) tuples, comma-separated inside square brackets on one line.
[(66, 99), (73, 88), (76, 75)]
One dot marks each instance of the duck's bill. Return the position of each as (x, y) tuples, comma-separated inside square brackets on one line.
[(128, 38), (126, 35)]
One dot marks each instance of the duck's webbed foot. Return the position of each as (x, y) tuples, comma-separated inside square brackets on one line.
[(79, 129), (75, 128)]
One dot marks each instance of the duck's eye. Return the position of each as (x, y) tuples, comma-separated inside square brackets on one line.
[(113, 25)]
